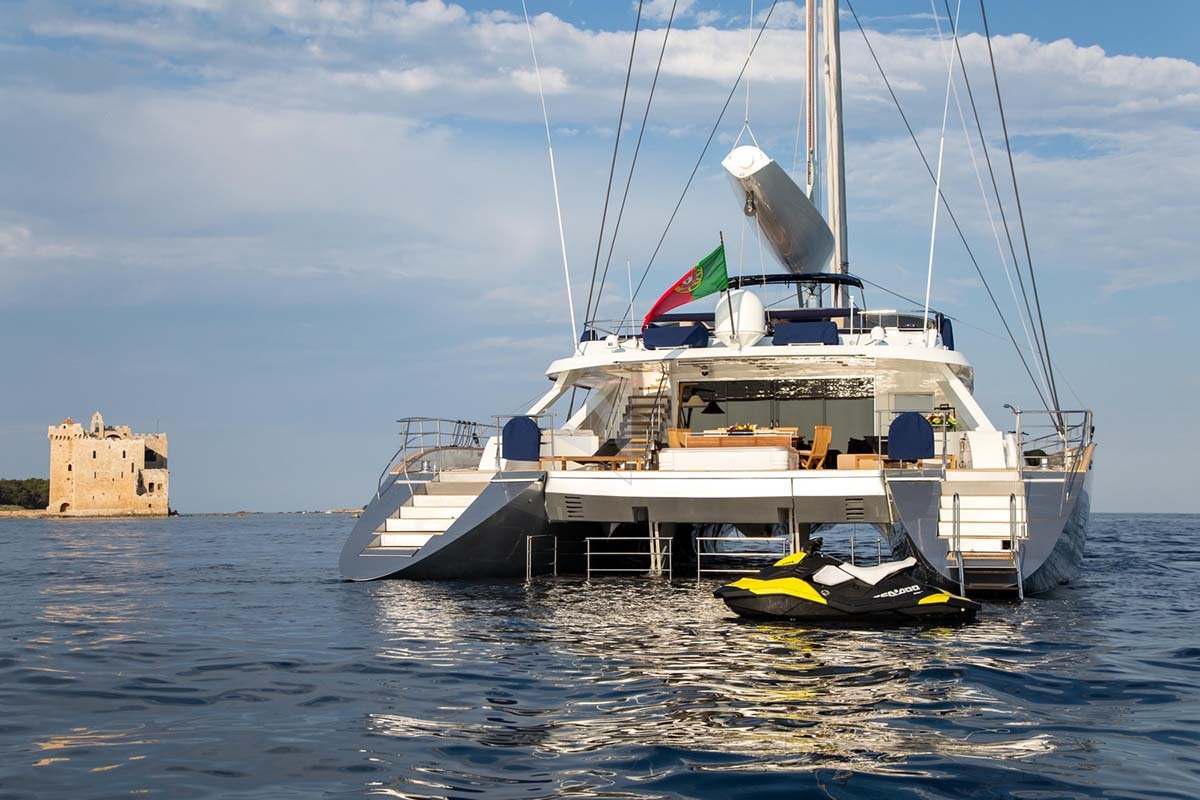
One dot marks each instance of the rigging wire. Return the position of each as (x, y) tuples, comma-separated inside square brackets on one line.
[(937, 182), (1034, 343), (749, 46), (1012, 289), (704, 151), (562, 237), (636, 149), (949, 211), (1020, 212), (613, 167), (961, 321), (749, 49)]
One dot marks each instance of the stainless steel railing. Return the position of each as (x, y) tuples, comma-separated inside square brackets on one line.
[(423, 440), (1054, 440), (1016, 533), (757, 555), (531, 557), (660, 554), (957, 545)]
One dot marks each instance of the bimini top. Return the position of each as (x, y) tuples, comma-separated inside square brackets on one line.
[(827, 278)]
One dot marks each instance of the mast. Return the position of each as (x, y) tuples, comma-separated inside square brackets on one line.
[(810, 94), (836, 168)]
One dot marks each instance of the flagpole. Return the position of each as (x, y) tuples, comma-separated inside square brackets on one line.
[(728, 294)]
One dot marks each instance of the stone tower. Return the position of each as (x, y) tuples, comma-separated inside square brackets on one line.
[(107, 470)]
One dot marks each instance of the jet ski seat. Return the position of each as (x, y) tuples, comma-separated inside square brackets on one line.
[(832, 576)]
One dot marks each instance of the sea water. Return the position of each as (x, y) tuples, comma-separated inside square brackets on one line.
[(223, 657)]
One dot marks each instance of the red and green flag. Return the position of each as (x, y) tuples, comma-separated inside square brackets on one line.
[(707, 277)]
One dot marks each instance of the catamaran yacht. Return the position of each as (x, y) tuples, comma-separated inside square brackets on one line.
[(776, 421)]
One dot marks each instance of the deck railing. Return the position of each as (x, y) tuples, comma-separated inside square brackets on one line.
[(424, 441), (1056, 440)]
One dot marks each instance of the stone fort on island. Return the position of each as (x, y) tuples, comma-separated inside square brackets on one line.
[(106, 470)]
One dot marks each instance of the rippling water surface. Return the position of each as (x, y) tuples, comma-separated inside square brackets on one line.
[(222, 657)]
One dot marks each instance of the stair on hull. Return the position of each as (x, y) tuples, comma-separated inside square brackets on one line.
[(430, 511), (983, 516)]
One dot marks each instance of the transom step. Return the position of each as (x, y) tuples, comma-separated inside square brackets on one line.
[(404, 539)]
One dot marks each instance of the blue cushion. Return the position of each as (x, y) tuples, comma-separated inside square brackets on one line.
[(806, 333), (910, 437), (669, 336), (947, 333), (521, 440)]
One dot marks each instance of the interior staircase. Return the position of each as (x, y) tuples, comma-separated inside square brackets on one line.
[(431, 510), (646, 409), (982, 514)]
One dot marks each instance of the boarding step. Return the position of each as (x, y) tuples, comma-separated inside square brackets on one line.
[(455, 488), (464, 476), (429, 512), (454, 501), (406, 525), (991, 581), (404, 539), (981, 488), (987, 574), (970, 516), (982, 530), (972, 500), (985, 475)]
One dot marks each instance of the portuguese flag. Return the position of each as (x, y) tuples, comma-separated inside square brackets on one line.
[(707, 277)]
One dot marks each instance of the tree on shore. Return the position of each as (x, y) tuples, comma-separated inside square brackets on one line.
[(26, 492)]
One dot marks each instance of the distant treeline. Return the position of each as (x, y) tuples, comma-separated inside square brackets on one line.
[(26, 493)]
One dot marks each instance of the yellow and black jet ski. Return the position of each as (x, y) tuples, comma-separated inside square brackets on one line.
[(813, 587)]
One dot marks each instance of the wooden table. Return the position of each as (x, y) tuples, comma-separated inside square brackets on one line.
[(757, 439), (605, 462)]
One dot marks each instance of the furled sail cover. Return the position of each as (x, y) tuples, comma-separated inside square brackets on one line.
[(790, 222)]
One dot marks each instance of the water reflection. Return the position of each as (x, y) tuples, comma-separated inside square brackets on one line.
[(219, 658), (629, 666)]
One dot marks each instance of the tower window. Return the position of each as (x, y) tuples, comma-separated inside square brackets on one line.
[(68, 467), (93, 454)]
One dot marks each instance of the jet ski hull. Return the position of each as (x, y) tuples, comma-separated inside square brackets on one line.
[(790, 590)]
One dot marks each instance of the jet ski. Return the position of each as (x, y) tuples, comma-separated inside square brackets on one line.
[(813, 587)]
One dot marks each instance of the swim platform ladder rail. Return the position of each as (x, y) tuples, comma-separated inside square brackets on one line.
[(659, 552), (956, 543), (422, 439), (1018, 529), (531, 557), (761, 555)]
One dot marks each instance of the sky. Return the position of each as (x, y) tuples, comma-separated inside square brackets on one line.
[(272, 228)]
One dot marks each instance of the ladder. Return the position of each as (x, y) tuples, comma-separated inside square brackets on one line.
[(984, 518), (641, 423)]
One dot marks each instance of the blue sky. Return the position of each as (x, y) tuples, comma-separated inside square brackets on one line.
[(272, 228)]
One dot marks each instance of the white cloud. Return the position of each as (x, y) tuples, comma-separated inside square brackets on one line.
[(331, 123), (660, 10)]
